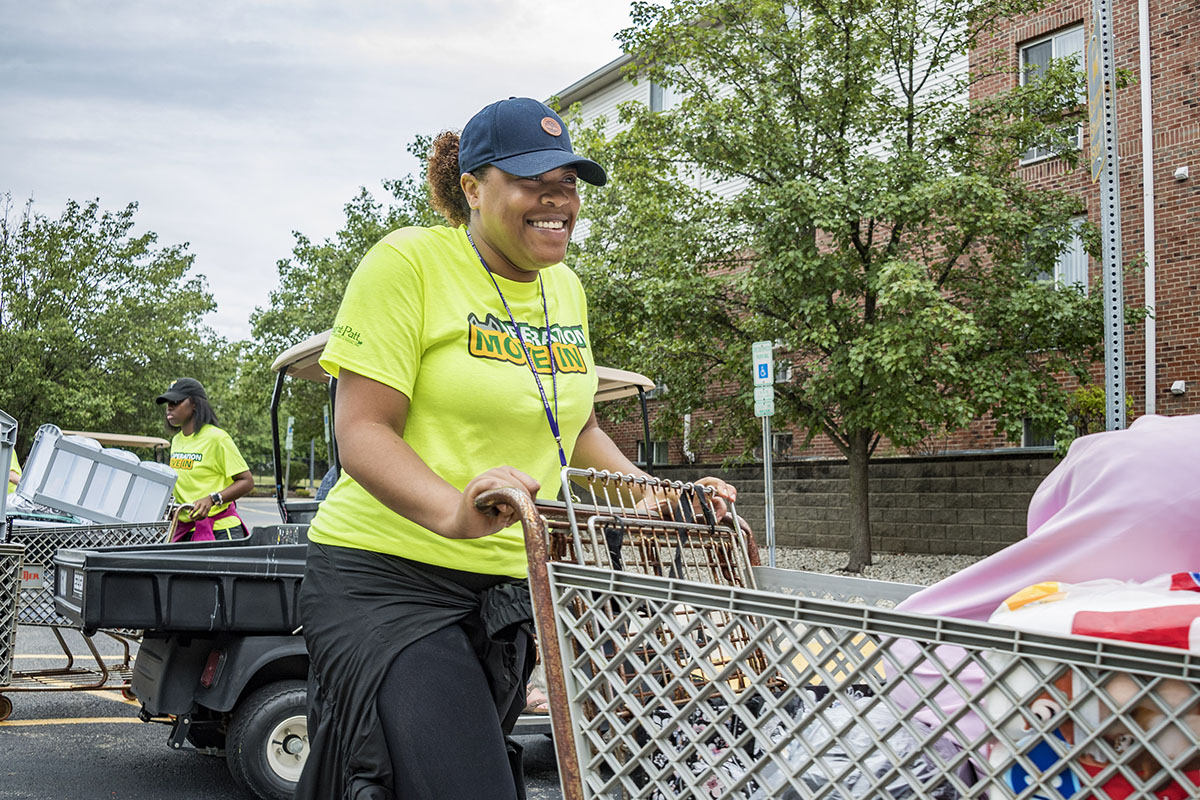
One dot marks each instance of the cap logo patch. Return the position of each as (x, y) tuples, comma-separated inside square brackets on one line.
[(550, 125)]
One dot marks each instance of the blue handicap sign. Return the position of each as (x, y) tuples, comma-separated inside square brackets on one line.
[(762, 370)]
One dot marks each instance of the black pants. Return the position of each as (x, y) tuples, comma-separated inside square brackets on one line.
[(236, 532), (440, 721)]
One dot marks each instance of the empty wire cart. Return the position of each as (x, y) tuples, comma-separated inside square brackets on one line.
[(35, 606), (678, 668)]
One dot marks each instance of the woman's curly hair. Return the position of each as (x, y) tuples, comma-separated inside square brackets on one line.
[(445, 190)]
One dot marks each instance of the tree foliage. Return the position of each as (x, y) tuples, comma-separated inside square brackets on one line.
[(882, 237), (95, 320), (311, 285)]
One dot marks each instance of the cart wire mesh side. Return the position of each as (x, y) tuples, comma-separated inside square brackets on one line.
[(10, 585), (37, 602), (662, 686)]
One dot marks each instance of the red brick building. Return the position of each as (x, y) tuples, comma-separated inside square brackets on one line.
[(1160, 193)]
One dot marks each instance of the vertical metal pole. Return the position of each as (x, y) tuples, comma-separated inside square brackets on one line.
[(8, 442), (277, 466), (1110, 209), (312, 463), (769, 491), (649, 459), (1148, 238)]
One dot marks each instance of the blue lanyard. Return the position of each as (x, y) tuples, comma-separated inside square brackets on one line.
[(551, 416)]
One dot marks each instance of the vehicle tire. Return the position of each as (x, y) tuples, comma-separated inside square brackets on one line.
[(267, 741), (5, 707)]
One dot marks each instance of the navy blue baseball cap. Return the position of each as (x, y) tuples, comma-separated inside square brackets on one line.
[(523, 137)]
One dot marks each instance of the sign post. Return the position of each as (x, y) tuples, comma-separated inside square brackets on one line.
[(327, 450), (764, 406), (1102, 146), (287, 445)]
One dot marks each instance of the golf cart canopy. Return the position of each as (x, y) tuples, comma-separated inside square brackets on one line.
[(122, 439), (302, 361)]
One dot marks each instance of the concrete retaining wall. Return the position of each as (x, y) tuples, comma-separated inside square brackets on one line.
[(973, 504)]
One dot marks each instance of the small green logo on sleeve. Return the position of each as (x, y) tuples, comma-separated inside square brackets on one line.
[(347, 334)]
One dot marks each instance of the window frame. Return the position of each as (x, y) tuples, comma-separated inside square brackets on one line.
[(659, 447), (1037, 153), (1033, 439), (1075, 245), (663, 98)]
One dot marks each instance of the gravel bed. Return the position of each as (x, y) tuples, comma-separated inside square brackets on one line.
[(899, 568)]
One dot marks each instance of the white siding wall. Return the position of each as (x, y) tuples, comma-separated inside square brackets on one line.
[(956, 69), (604, 102)]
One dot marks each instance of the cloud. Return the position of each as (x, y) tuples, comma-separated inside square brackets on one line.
[(234, 123)]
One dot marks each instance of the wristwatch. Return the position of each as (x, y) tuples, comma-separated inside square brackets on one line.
[(216, 498)]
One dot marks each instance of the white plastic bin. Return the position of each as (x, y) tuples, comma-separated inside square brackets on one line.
[(76, 475)]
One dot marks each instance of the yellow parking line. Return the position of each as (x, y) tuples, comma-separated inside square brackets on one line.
[(25, 723), (61, 657), (41, 655), (114, 695)]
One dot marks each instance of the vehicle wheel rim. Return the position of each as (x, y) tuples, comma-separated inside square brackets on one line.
[(287, 748)]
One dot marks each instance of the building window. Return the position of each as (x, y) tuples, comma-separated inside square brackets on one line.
[(1035, 57), (1071, 267), (783, 371), (658, 450), (781, 446), (663, 98), (1036, 436)]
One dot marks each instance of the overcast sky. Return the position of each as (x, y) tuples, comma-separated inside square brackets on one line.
[(234, 122)]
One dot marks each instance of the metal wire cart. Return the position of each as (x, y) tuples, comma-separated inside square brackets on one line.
[(35, 606), (679, 668), (70, 473)]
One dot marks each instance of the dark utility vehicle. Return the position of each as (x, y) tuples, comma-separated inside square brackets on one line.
[(220, 660)]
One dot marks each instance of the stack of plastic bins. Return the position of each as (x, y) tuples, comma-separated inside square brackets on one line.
[(74, 474), (10, 590)]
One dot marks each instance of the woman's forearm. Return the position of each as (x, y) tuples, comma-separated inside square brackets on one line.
[(386, 466), (370, 432), (243, 484)]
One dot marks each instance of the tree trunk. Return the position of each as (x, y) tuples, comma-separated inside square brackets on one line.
[(859, 507)]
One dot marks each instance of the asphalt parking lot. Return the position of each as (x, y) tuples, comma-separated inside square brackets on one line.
[(89, 744)]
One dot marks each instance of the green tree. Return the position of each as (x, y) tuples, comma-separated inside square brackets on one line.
[(882, 239), (95, 320), (311, 285)]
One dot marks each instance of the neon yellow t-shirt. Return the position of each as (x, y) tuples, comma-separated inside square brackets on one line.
[(422, 316), (205, 462), (14, 467)]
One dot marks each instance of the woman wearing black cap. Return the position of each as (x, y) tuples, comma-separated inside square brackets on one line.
[(464, 364), (211, 473)]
